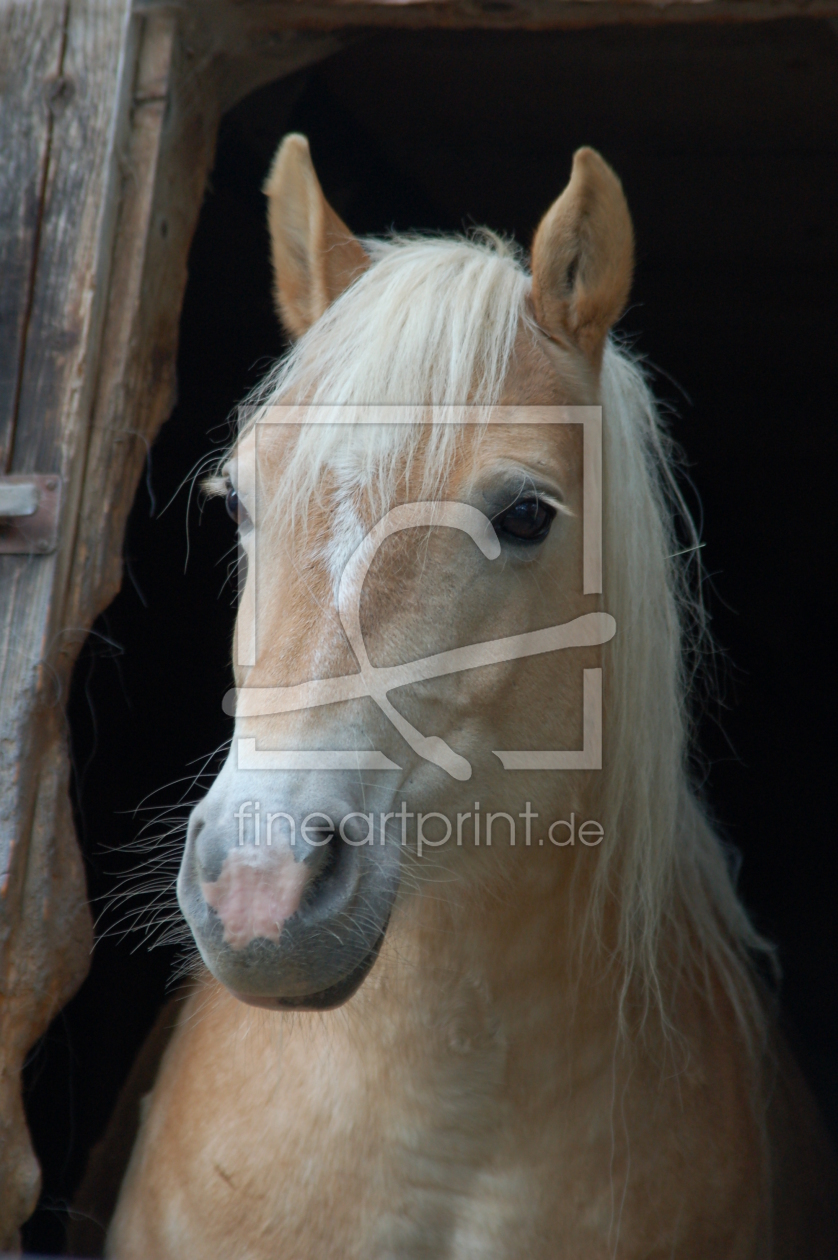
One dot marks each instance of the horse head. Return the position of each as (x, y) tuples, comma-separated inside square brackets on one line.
[(411, 511)]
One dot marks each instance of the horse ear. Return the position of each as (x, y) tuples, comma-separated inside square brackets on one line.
[(582, 257), (315, 256)]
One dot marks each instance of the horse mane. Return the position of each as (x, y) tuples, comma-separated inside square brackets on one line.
[(434, 320), (665, 867)]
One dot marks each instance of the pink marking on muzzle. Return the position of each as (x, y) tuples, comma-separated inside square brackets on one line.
[(257, 890)]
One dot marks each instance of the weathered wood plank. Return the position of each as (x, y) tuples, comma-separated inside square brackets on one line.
[(135, 388), (44, 922), (31, 46)]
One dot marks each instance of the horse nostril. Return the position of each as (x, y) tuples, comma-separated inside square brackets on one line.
[(326, 863), (208, 848), (334, 875), (193, 832)]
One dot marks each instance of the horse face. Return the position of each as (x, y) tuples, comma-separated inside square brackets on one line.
[(290, 876), (315, 830)]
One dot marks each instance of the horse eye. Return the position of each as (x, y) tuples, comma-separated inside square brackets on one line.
[(235, 508), (528, 520)]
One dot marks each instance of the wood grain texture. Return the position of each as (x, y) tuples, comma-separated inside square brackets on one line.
[(44, 922), (31, 46)]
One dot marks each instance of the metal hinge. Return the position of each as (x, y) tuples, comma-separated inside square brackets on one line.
[(29, 504)]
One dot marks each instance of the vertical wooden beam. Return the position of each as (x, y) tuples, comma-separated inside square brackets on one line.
[(31, 49), (59, 257), (163, 175)]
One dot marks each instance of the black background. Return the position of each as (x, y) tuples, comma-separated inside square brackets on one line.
[(726, 139)]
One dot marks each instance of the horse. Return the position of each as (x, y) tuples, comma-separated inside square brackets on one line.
[(458, 1000)]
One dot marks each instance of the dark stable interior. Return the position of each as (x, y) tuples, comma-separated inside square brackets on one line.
[(726, 139)]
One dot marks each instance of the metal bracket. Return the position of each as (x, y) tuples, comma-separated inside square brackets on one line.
[(29, 507)]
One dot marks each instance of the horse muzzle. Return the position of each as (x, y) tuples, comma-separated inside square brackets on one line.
[(291, 922)]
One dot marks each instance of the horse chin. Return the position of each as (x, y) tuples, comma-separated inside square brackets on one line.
[(327, 999)]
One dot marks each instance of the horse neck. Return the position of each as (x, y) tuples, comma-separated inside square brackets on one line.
[(507, 957)]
